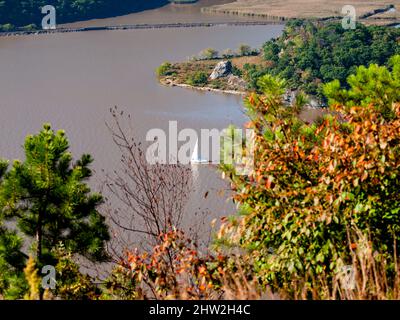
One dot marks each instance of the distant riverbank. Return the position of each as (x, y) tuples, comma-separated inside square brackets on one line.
[(28, 15), (379, 12), (138, 26)]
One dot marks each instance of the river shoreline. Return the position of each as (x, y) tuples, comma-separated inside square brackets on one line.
[(144, 26), (171, 83), (139, 27)]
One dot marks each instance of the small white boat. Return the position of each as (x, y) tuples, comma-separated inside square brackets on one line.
[(196, 157)]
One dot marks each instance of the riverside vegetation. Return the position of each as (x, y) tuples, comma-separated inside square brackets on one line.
[(307, 55), (318, 217), (196, 72)]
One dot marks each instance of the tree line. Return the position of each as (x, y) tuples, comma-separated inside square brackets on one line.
[(16, 14)]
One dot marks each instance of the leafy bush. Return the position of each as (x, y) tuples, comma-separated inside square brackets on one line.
[(209, 53), (177, 269), (29, 27), (71, 283), (313, 189), (164, 69), (199, 78), (236, 71), (228, 53), (7, 27), (244, 50), (174, 269)]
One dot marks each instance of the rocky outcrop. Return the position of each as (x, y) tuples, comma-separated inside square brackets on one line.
[(221, 70)]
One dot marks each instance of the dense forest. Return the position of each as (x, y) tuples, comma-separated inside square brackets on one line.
[(15, 13), (308, 54)]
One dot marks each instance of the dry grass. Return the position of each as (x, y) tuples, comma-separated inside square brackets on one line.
[(289, 9), (182, 70), (239, 62)]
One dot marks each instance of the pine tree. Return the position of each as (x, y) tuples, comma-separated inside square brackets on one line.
[(373, 85), (48, 198), (12, 260)]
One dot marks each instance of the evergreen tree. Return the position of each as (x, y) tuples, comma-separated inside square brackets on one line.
[(374, 85), (48, 198), (12, 260)]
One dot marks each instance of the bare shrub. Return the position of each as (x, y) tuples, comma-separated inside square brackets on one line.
[(143, 200)]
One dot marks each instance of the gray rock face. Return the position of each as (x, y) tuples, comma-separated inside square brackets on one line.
[(222, 69)]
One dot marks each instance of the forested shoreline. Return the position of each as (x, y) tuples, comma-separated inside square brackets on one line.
[(307, 55), (27, 14)]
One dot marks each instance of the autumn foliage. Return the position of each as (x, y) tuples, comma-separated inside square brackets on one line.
[(318, 215), (173, 269), (178, 269), (316, 190)]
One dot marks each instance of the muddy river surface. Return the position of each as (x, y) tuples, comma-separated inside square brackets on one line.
[(71, 80)]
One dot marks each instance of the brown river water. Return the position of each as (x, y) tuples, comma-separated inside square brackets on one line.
[(71, 80), (168, 14)]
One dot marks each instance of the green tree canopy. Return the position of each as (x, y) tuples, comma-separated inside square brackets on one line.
[(308, 53), (26, 12), (49, 200), (12, 260), (375, 85)]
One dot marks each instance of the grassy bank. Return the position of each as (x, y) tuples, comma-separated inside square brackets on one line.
[(369, 12)]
